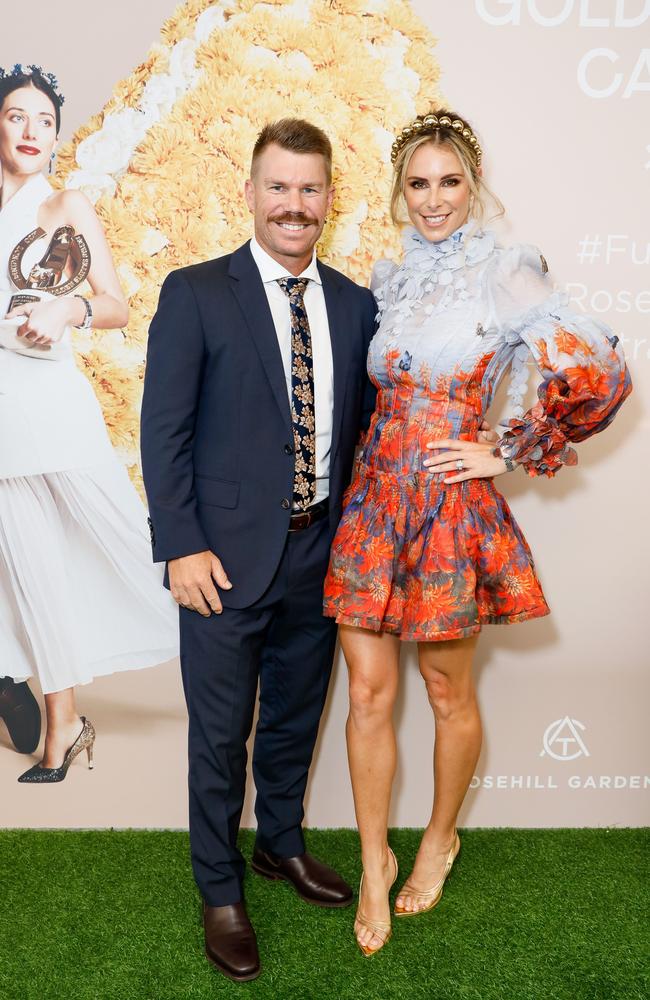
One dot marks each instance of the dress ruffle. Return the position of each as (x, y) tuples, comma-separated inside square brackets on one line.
[(585, 382), (584, 376), (427, 561)]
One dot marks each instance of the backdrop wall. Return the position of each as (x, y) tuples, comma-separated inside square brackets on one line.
[(559, 93)]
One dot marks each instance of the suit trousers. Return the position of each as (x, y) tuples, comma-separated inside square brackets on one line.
[(284, 642)]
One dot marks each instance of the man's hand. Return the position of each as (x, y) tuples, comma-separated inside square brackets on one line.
[(192, 578), (486, 434)]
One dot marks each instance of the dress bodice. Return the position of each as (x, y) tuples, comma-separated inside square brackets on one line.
[(18, 219), (454, 316), (50, 420)]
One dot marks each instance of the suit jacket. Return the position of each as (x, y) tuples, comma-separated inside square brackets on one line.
[(216, 435)]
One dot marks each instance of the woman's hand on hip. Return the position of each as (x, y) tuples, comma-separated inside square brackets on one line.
[(464, 460)]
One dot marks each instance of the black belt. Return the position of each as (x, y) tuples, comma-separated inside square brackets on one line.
[(303, 518)]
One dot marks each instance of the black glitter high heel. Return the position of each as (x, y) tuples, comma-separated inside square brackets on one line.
[(46, 775)]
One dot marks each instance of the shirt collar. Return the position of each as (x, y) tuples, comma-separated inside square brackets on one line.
[(270, 270)]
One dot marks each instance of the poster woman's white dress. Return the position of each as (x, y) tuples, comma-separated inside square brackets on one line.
[(79, 595)]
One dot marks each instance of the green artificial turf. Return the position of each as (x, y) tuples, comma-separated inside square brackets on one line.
[(526, 915)]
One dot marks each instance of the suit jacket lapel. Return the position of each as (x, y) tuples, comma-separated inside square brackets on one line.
[(249, 292), (332, 290)]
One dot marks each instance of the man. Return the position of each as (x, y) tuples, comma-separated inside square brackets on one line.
[(255, 395), (21, 714)]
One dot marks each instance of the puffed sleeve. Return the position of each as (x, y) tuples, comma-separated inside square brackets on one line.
[(584, 376)]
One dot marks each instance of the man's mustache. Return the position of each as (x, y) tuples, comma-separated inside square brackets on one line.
[(294, 218)]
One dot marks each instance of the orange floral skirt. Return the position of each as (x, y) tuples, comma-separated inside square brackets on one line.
[(429, 561)]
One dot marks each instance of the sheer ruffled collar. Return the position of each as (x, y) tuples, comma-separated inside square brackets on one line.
[(427, 267), (461, 248)]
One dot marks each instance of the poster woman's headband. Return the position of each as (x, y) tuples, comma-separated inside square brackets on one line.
[(22, 70)]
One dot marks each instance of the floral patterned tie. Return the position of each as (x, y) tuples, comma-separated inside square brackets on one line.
[(302, 394)]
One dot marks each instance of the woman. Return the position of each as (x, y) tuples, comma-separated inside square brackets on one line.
[(79, 596), (427, 549)]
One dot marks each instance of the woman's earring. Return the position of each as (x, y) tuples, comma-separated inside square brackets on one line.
[(51, 162)]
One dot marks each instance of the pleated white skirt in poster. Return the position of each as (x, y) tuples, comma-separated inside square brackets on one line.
[(79, 594)]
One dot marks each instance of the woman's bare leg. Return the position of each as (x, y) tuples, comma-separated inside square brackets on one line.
[(446, 668), (63, 726), (373, 665)]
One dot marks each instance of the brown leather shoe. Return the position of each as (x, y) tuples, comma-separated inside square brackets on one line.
[(230, 942), (314, 881)]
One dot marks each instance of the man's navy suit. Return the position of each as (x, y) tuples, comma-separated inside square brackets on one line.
[(218, 465)]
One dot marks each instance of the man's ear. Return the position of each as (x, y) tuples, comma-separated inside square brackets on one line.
[(249, 194)]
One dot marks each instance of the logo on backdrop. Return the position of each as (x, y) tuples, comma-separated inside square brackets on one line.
[(562, 740)]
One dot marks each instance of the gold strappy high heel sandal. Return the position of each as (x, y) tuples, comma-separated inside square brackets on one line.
[(427, 899), (380, 928)]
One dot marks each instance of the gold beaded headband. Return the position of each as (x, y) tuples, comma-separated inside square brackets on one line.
[(431, 123)]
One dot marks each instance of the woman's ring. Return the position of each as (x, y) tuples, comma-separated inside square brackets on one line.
[(459, 465)]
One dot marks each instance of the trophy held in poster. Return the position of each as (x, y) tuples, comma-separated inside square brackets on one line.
[(62, 268)]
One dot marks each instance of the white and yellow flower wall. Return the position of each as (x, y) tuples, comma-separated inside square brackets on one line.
[(166, 159)]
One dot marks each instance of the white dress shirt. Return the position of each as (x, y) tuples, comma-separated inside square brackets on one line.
[(270, 270)]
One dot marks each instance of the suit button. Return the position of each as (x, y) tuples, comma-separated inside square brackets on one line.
[(285, 504), (288, 450)]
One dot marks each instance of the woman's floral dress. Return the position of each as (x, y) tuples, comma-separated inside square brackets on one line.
[(429, 561)]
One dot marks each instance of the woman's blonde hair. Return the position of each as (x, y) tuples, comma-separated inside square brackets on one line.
[(481, 195)]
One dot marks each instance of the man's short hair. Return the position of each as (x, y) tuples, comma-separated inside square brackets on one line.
[(296, 135)]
